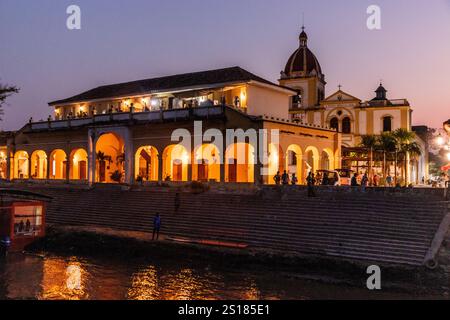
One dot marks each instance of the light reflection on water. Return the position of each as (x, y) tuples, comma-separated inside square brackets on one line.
[(75, 278)]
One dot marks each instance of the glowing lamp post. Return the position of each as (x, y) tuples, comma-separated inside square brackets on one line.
[(440, 140)]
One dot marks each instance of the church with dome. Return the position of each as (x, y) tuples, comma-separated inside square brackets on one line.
[(126, 133), (349, 115)]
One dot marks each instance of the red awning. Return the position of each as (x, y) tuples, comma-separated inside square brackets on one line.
[(446, 168)]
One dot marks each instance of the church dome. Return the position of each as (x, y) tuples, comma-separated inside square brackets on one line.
[(303, 62)]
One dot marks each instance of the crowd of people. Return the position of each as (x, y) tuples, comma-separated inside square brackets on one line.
[(328, 178)]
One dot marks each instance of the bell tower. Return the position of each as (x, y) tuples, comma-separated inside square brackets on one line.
[(304, 74)]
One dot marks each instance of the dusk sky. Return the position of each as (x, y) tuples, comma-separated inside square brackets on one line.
[(135, 39)]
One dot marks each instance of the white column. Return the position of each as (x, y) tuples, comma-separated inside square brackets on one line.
[(92, 158)]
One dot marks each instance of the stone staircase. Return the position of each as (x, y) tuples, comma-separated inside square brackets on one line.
[(378, 227)]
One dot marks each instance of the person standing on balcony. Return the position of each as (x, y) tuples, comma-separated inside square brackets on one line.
[(156, 226)]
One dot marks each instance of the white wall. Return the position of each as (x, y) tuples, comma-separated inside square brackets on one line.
[(378, 122), (363, 122), (318, 118), (270, 102)]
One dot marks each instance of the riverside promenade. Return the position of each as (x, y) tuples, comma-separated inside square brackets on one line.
[(384, 226)]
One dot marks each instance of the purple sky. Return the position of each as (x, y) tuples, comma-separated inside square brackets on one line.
[(136, 39)]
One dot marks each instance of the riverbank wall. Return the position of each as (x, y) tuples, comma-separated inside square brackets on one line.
[(378, 226)]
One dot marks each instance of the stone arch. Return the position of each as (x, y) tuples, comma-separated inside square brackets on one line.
[(240, 163), (327, 160), (346, 112), (294, 159), (146, 163), (79, 164), (276, 163), (175, 163), (39, 165), (312, 160), (207, 160), (334, 123), (3, 163), (21, 165), (110, 158), (58, 165)]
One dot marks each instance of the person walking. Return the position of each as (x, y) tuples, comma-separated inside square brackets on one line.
[(277, 178), (354, 182), (389, 180), (376, 180), (310, 182), (364, 182), (285, 178), (325, 179), (294, 179), (156, 226)]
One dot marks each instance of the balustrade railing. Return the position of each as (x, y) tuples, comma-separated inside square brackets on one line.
[(148, 116)]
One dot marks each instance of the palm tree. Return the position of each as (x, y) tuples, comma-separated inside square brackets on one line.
[(415, 151), (386, 143), (406, 145), (369, 142)]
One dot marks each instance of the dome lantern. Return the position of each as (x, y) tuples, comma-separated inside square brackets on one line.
[(381, 93), (302, 63), (303, 38)]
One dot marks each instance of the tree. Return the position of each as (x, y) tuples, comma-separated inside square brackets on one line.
[(369, 142), (406, 146), (5, 92), (387, 143)]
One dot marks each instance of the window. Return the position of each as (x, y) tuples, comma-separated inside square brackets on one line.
[(297, 100), (292, 158), (387, 124), (27, 220), (334, 124), (346, 125)]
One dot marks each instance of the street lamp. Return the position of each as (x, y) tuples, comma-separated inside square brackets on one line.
[(440, 140)]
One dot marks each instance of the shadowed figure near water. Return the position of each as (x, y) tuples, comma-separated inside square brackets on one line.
[(156, 226)]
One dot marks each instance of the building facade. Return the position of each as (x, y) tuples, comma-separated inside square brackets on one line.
[(349, 115), (123, 133)]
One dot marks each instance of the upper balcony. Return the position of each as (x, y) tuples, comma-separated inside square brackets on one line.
[(147, 116), (386, 103)]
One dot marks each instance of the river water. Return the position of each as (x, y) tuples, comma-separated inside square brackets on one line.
[(57, 277)]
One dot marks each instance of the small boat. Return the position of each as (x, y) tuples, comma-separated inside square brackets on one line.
[(22, 219)]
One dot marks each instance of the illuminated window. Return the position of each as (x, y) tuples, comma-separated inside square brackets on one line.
[(27, 220)]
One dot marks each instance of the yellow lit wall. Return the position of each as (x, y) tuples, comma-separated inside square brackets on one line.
[(39, 165), (210, 155)]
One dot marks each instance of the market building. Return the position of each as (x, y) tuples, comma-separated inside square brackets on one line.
[(122, 133)]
